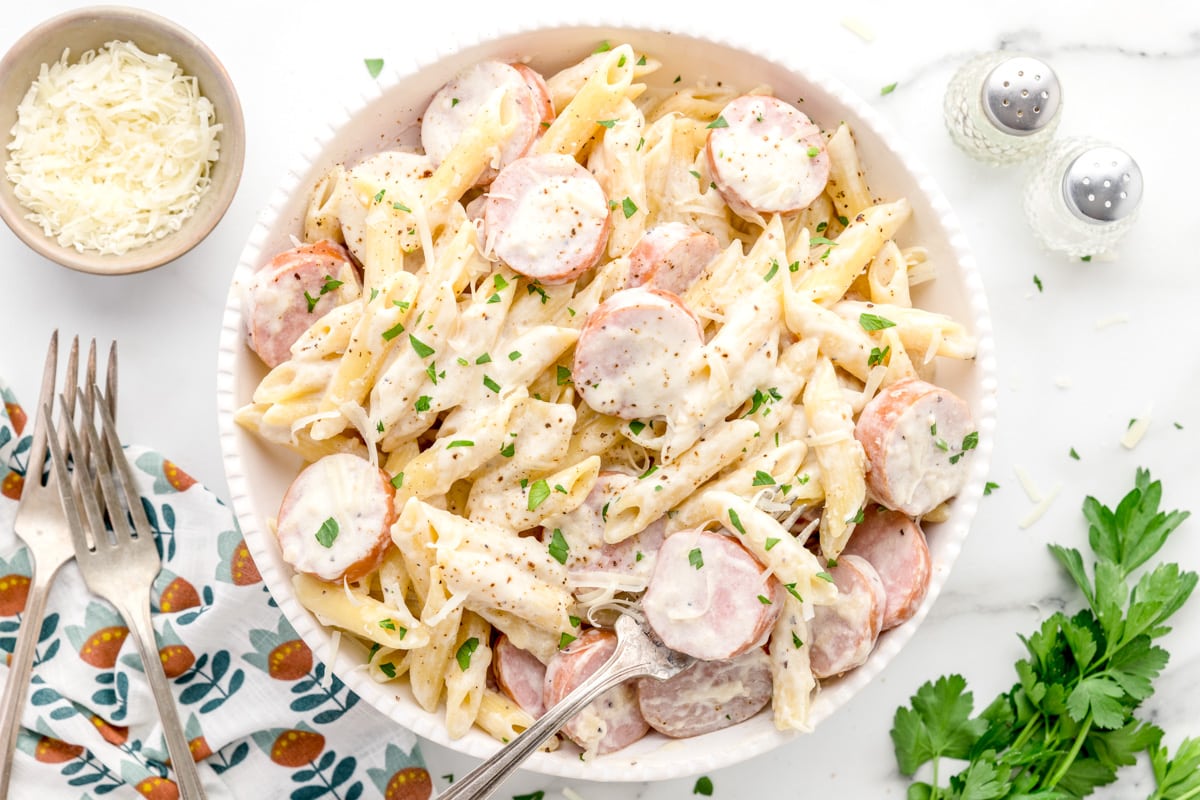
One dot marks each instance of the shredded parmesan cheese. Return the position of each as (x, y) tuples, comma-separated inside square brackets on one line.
[(113, 152), (1040, 509), (1115, 319), (1031, 490), (1135, 432)]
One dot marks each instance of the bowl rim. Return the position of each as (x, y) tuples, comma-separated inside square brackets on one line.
[(689, 761), (232, 159)]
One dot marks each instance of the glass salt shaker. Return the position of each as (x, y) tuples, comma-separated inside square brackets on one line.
[(1082, 196), (1002, 107)]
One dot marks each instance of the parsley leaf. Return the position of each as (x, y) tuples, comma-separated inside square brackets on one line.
[(696, 558), (873, 322), (465, 651), (539, 490), (558, 547), (374, 66), (328, 532)]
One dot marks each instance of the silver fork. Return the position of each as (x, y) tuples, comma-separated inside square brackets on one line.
[(41, 525), (118, 562)]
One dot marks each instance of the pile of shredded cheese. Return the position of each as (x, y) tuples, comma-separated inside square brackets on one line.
[(113, 152)]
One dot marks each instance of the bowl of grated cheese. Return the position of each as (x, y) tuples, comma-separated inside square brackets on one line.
[(123, 140)]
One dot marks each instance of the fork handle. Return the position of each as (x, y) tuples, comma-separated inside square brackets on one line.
[(485, 779), (18, 672), (137, 616)]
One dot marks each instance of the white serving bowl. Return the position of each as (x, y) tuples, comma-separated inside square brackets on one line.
[(259, 473)]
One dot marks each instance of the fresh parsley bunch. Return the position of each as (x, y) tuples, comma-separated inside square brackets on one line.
[(1068, 724)]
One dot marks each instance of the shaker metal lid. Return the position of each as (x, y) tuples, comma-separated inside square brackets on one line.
[(1102, 184), (1021, 95)]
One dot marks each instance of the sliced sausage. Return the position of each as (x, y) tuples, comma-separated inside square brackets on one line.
[(612, 720), (336, 517), (895, 546), (844, 634), (541, 93), (918, 439), (708, 696), (759, 153), (453, 108), (583, 533), (709, 597), (671, 256), (631, 350), (285, 297), (519, 675), (547, 218)]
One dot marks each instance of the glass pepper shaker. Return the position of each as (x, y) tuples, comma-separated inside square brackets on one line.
[(1002, 108), (1082, 196)]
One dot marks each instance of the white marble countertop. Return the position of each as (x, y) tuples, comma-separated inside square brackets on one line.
[(1101, 343)]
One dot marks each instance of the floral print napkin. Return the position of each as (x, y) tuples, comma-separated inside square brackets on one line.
[(263, 717)]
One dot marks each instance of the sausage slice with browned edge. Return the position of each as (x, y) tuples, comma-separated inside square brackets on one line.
[(612, 720), (336, 517), (541, 93), (453, 108), (633, 352), (708, 696), (842, 635), (671, 256), (709, 597), (766, 156), (546, 217), (896, 547), (519, 675), (284, 298), (918, 439)]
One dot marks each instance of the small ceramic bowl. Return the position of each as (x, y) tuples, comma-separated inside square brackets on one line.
[(90, 29)]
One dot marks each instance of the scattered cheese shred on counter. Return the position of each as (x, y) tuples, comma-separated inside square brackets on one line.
[(113, 152), (1040, 509), (1031, 489), (1136, 430), (1116, 319)]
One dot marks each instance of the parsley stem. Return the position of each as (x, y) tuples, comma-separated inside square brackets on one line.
[(1069, 758), (937, 786)]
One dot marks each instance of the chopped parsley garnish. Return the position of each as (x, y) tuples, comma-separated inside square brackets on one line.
[(393, 332), (330, 284), (379, 426), (814, 151), (719, 122), (508, 450), (312, 301), (1073, 454), (771, 542), (696, 558), (387, 624), (990, 487), (825, 576), (460, 443), (514, 355), (771, 272), (766, 601), (495, 298), (653, 468), (565, 639), (621, 60), (641, 62), (536, 288), (628, 208), (791, 587), (374, 66), (877, 356), (817, 241), (388, 669), (539, 490), (762, 478), (736, 521), (637, 426), (891, 87), (874, 322), (970, 441), (843, 221), (1085, 258), (694, 174), (704, 786), (606, 123), (821, 226), (453, 102), (491, 384), (423, 350), (422, 403), (398, 480), (603, 47), (857, 518), (562, 375), (379, 195), (486, 358), (465, 651), (558, 547), (328, 532), (796, 642), (1037, 282)]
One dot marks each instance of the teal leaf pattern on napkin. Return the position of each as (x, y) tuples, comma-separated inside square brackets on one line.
[(263, 716)]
